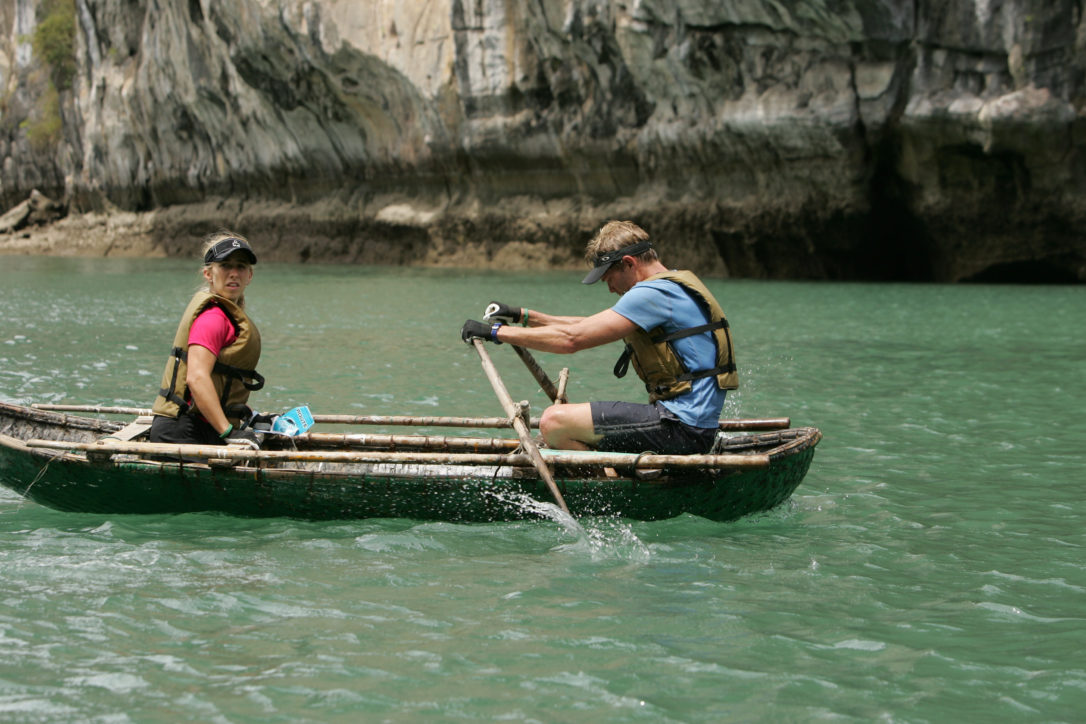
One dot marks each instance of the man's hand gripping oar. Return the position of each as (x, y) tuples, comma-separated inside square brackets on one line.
[(498, 312)]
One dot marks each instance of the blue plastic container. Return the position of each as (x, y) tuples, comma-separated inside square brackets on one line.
[(293, 422)]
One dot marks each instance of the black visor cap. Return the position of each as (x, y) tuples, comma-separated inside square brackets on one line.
[(606, 259), (223, 249)]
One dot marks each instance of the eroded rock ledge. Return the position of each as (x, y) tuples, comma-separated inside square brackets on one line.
[(871, 139)]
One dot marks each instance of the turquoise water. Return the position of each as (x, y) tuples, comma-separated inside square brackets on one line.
[(931, 568)]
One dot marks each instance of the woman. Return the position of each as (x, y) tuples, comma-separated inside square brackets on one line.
[(212, 366)]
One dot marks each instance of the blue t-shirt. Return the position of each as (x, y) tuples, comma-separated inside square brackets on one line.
[(664, 303)]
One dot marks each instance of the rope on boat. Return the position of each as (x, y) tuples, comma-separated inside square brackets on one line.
[(41, 473)]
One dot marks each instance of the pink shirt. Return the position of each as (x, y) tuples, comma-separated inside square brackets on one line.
[(212, 330)]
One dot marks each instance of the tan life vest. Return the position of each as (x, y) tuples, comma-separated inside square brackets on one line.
[(234, 373), (655, 361)]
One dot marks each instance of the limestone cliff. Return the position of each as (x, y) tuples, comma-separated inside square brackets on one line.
[(840, 139)]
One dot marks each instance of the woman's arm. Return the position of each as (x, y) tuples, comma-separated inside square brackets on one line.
[(198, 378)]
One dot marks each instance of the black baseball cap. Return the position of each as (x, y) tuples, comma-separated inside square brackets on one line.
[(228, 246), (606, 259)]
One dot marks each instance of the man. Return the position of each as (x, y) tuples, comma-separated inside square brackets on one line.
[(676, 336)]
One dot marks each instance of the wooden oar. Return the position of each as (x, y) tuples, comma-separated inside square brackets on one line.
[(557, 457), (769, 423), (557, 394), (518, 423), (537, 372)]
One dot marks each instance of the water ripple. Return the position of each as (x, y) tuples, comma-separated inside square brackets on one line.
[(929, 569)]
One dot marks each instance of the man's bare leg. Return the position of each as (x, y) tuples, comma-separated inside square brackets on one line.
[(568, 427)]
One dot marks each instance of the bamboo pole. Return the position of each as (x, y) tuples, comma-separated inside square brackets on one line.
[(732, 425), (417, 421), (557, 394), (519, 423), (563, 380), (96, 409), (537, 372), (413, 421), (443, 442), (768, 423), (556, 457), (241, 453)]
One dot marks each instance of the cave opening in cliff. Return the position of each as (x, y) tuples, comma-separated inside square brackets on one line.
[(898, 246), (1025, 272)]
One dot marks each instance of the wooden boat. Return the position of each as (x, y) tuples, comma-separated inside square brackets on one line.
[(85, 463), (95, 465)]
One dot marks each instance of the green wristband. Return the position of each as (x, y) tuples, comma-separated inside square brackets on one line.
[(226, 433), (524, 316)]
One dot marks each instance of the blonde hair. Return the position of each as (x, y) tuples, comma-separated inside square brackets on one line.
[(209, 241), (615, 235)]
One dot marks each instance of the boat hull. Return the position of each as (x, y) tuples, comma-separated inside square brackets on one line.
[(125, 484), (132, 487)]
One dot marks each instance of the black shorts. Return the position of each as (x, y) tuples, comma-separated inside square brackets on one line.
[(637, 428), (186, 430)]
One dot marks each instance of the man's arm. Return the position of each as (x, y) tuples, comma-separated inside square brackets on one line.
[(542, 319), (499, 312), (568, 337)]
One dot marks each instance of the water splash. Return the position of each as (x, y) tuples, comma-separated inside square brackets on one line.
[(527, 504), (598, 537), (609, 539)]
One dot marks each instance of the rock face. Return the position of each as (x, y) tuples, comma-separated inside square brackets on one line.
[(835, 139)]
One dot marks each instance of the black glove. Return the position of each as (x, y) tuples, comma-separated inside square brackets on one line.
[(241, 411), (248, 437), (498, 312), (478, 330), (263, 420)]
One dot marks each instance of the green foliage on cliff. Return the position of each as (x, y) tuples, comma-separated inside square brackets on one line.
[(44, 128), (54, 40), (54, 47)]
